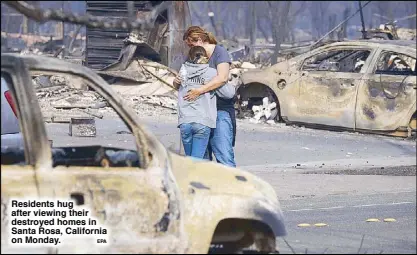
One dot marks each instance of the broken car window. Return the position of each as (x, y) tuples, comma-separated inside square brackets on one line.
[(12, 145), (348, 61), (395, 64), (81, 126)]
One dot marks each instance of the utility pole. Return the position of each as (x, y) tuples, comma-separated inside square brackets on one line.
[(62, 23), (63, 33), (253, 23), (211, 17), (213, 23), (341, 23), (362, 21), (253, 29)]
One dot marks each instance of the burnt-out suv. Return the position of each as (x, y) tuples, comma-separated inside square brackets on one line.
[(151, 200)]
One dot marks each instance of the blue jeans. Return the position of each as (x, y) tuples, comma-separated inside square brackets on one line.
[(195, 138), (221, 140)]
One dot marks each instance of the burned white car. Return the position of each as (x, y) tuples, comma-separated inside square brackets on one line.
[(366, 86)]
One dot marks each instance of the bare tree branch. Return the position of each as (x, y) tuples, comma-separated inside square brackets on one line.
[(90, 21), (318, 11), (280, 26), (219, 18), (291, 21), (262, 29), (264, 22), (196, 13), (300, 10), (212, 19), (224, 10), (274, 25), (253, 28), (340, 24)]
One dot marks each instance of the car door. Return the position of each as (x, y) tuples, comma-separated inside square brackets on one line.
[(18, 159), (387, 99), (137, 203), (328, 86)]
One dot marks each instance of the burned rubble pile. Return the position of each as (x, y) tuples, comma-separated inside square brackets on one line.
[(59, 104), (61, 100), (146, 86), (263, 112)]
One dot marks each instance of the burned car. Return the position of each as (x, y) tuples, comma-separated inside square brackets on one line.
[(151, 200), (365, 86)]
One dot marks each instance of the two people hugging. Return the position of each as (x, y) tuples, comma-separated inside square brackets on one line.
[(206, 118)]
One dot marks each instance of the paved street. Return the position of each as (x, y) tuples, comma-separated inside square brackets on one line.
[(345, 218), (340, 179), (262, 144)]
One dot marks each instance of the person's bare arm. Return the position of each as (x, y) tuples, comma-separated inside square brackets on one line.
[(177, 82), (219, 80)]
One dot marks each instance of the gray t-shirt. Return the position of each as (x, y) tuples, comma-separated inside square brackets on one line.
[(220, 55), (203, 110)]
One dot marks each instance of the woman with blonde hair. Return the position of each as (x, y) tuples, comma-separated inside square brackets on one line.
[(222, 138)]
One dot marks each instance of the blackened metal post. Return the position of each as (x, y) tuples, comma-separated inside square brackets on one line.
[(362, 21), (336, 27), (64, 51)]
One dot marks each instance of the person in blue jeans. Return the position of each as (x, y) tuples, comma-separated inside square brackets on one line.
[(223, 136), (196, 118), (195, 138)]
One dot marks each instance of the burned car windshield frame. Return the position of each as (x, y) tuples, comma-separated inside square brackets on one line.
[(319, 51), (46, 65)]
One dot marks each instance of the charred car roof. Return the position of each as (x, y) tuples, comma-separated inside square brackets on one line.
[(377, 43)]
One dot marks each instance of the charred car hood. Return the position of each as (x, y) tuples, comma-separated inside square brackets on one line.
[(264, 75), (215, 178)]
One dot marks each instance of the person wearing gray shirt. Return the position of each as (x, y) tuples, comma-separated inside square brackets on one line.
[(196, 118)]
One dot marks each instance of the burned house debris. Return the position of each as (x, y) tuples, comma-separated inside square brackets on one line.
[(140, 64), (143, 62), (113, 49), (103, 46)]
